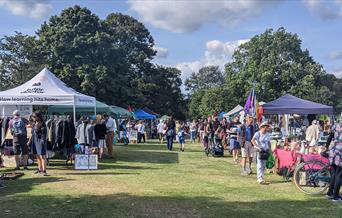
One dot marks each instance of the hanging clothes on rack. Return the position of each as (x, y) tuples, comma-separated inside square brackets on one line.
[(52, 134), (63, 134), (85, 134)]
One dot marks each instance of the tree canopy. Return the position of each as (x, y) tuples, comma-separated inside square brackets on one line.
[(206, 78), (278, 65), (276, 62), (109, 59)]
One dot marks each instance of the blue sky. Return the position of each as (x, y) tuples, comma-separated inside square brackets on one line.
[(192, 34)]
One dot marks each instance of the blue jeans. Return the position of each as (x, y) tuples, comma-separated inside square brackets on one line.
[(193, 135), (169, 142), (335, 181), (261, 167)]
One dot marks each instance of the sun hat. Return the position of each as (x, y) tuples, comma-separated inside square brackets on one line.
[(264, 124), (16, 113)]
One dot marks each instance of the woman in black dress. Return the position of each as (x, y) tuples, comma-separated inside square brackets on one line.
[(170, 133), (38, 141)]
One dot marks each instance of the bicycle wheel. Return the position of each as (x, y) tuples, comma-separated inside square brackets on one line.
[(312, 177)]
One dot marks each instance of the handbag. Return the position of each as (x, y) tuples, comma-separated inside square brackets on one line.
[(263, 155)]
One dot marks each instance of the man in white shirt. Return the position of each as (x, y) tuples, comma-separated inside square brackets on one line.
[(141, 131), (111, 128), (160, 129), (312, 134)]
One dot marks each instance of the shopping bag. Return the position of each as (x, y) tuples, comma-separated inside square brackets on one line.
[(270, 162)]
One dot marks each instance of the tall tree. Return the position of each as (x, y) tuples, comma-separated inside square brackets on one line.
[(84, 55), (18, 60), (206, 78), (162, 89), (278, 64)]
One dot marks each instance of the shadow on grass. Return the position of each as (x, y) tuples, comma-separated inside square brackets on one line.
[(24, 185), (126, 205), (94, 173), (148, 157), (108, 164)]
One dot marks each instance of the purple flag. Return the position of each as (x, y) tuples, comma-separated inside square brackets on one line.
[(248, 103)]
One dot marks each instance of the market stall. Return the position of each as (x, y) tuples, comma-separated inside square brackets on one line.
[(120, 112), (143, 115), (148, 110), (46, 89), (289, 104)]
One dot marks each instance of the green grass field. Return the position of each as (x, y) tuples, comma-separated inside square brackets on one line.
[(148, 181)]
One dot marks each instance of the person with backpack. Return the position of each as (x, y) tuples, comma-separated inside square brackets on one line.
[(245, 136), (19, 133)]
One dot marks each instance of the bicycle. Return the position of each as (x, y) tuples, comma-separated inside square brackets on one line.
[(312, 177)]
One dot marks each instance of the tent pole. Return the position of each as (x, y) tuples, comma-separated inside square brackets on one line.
[(95, 110), (74, 110), (2, 126)]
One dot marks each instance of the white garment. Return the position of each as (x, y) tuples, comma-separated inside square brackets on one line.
[(111, 125), (141, 128), (101, 143), (312, 134), (193, 127), (85, 134), (160, 127), (262, 140)]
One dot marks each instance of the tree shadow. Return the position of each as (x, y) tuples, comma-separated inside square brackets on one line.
[(127, 205), (108, 164), (24, 185), (148, 157), (94, 173)]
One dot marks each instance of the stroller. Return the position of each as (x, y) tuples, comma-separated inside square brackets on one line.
[(214, 147)]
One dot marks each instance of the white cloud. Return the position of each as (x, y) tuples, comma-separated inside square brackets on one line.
[(161, 52), (29, 8), (188, 16), (335, 55), (326, 10), (217, 53), (337, 72)]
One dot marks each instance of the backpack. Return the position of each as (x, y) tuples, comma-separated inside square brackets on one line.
[(18, 128)]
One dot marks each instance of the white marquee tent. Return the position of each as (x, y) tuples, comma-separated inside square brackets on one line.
[(46, 89), (235, 110)]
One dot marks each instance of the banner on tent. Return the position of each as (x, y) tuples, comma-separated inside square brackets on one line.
[(36, 100)]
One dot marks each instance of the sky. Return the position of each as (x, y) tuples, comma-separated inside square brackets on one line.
[(195, 33)]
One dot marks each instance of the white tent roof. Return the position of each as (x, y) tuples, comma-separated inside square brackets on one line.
[(235, 110), (45, 89)]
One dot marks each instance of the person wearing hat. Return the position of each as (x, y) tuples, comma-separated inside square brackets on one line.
[(19, 133), (261, 141)]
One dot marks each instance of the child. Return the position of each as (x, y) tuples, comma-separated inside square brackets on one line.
[(218, 136), (181, 138)]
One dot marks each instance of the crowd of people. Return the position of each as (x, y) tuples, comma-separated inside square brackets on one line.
[(243, 138)]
